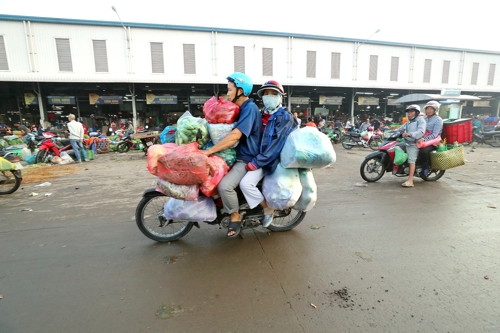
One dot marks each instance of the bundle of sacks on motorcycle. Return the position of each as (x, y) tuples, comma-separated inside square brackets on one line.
[(191, 178)]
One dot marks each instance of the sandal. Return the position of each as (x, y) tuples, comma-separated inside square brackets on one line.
[(234, 226), (407, 184)]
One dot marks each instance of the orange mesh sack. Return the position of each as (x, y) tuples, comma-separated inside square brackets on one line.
[(218, 169), (154, 152), (220, 111), (184, 165)]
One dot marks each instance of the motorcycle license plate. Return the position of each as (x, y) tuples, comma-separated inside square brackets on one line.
[(149, 143)]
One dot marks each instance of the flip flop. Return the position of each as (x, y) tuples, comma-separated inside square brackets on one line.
[(407, 184), (234, 226)]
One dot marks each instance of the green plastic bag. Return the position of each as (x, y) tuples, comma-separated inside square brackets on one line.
[(399, 156)]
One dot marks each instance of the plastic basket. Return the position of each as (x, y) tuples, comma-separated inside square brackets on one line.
[(447, 159)]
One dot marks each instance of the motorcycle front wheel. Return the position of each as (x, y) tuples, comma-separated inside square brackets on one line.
[(286, 219), (41, 156), (123, 147), (9, 183), (374, 144), (347, 142), (153, 224), (372, 169)]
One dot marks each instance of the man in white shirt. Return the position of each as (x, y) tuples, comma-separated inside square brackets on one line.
[(348, 125), (296, 116), (76, 138)]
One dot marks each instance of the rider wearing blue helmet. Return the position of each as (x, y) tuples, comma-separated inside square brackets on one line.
[(248, 130)]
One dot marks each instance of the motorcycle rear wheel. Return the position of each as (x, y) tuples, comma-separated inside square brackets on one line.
[(9, 183), (372, 169), (123, 147), (434, 175), (153, 224), (286, 219), (345, 141)]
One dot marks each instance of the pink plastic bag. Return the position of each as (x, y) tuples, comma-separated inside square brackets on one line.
[(154, 153), (184, 165), (218, 169), (220, 111), (434, 142)]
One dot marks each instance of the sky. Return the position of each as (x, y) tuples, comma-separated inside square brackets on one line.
[(467, 25)]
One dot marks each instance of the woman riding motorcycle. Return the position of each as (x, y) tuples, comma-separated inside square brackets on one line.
[(434, 127), (279, 125), (412, 130)]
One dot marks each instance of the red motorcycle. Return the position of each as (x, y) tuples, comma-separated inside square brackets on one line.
[(49, 147), (377, 163)]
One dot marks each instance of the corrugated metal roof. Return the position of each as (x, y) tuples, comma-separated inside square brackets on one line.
[(232, 31), (426, 97)]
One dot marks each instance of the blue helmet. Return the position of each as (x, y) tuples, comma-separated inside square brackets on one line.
[(242, 81)]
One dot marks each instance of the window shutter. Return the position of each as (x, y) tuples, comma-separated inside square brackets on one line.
[(373, 67), (475, 70), (157, 58), (239, 59), (64, 55), (189, 59), (267, 62), (335, 65), (311, 64), (100, 56), (427, 70), (4, 65), (491, 74), (446, 71), (394, 68)]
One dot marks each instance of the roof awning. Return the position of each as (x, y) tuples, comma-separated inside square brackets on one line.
[(427, 97)]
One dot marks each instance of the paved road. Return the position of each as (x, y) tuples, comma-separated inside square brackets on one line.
[(384, 258)]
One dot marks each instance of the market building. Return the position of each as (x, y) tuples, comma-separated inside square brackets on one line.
[(152, 73)]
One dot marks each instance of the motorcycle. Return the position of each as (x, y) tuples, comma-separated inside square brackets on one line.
[(152, 223), (48, 147), (334, 135), (10, 179), (377, 163), (368, 140), (491, 138), (125, 144)]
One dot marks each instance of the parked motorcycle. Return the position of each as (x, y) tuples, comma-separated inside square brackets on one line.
[(368, 140), (151, 220), (491, 138), (10, 179), (48, 147), (125, 144), (377, 163)]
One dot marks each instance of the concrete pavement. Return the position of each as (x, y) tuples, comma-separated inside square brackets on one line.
[(375, 258)]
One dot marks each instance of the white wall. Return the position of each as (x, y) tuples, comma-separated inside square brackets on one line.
[(215, 58)]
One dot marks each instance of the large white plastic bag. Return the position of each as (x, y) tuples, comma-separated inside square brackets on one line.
[(309, 194), (202, 209), (220, 131), (182, 192), (307, 148), (282, 188)]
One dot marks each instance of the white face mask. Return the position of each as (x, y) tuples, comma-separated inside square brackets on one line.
[(271, 102)]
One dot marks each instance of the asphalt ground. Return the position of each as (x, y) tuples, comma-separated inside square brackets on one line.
[(368, 258)]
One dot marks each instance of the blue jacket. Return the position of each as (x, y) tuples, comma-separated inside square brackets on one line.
[(278, 127)]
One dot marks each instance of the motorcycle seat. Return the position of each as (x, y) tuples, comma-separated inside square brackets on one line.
[(352, 134), (63, 142)]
